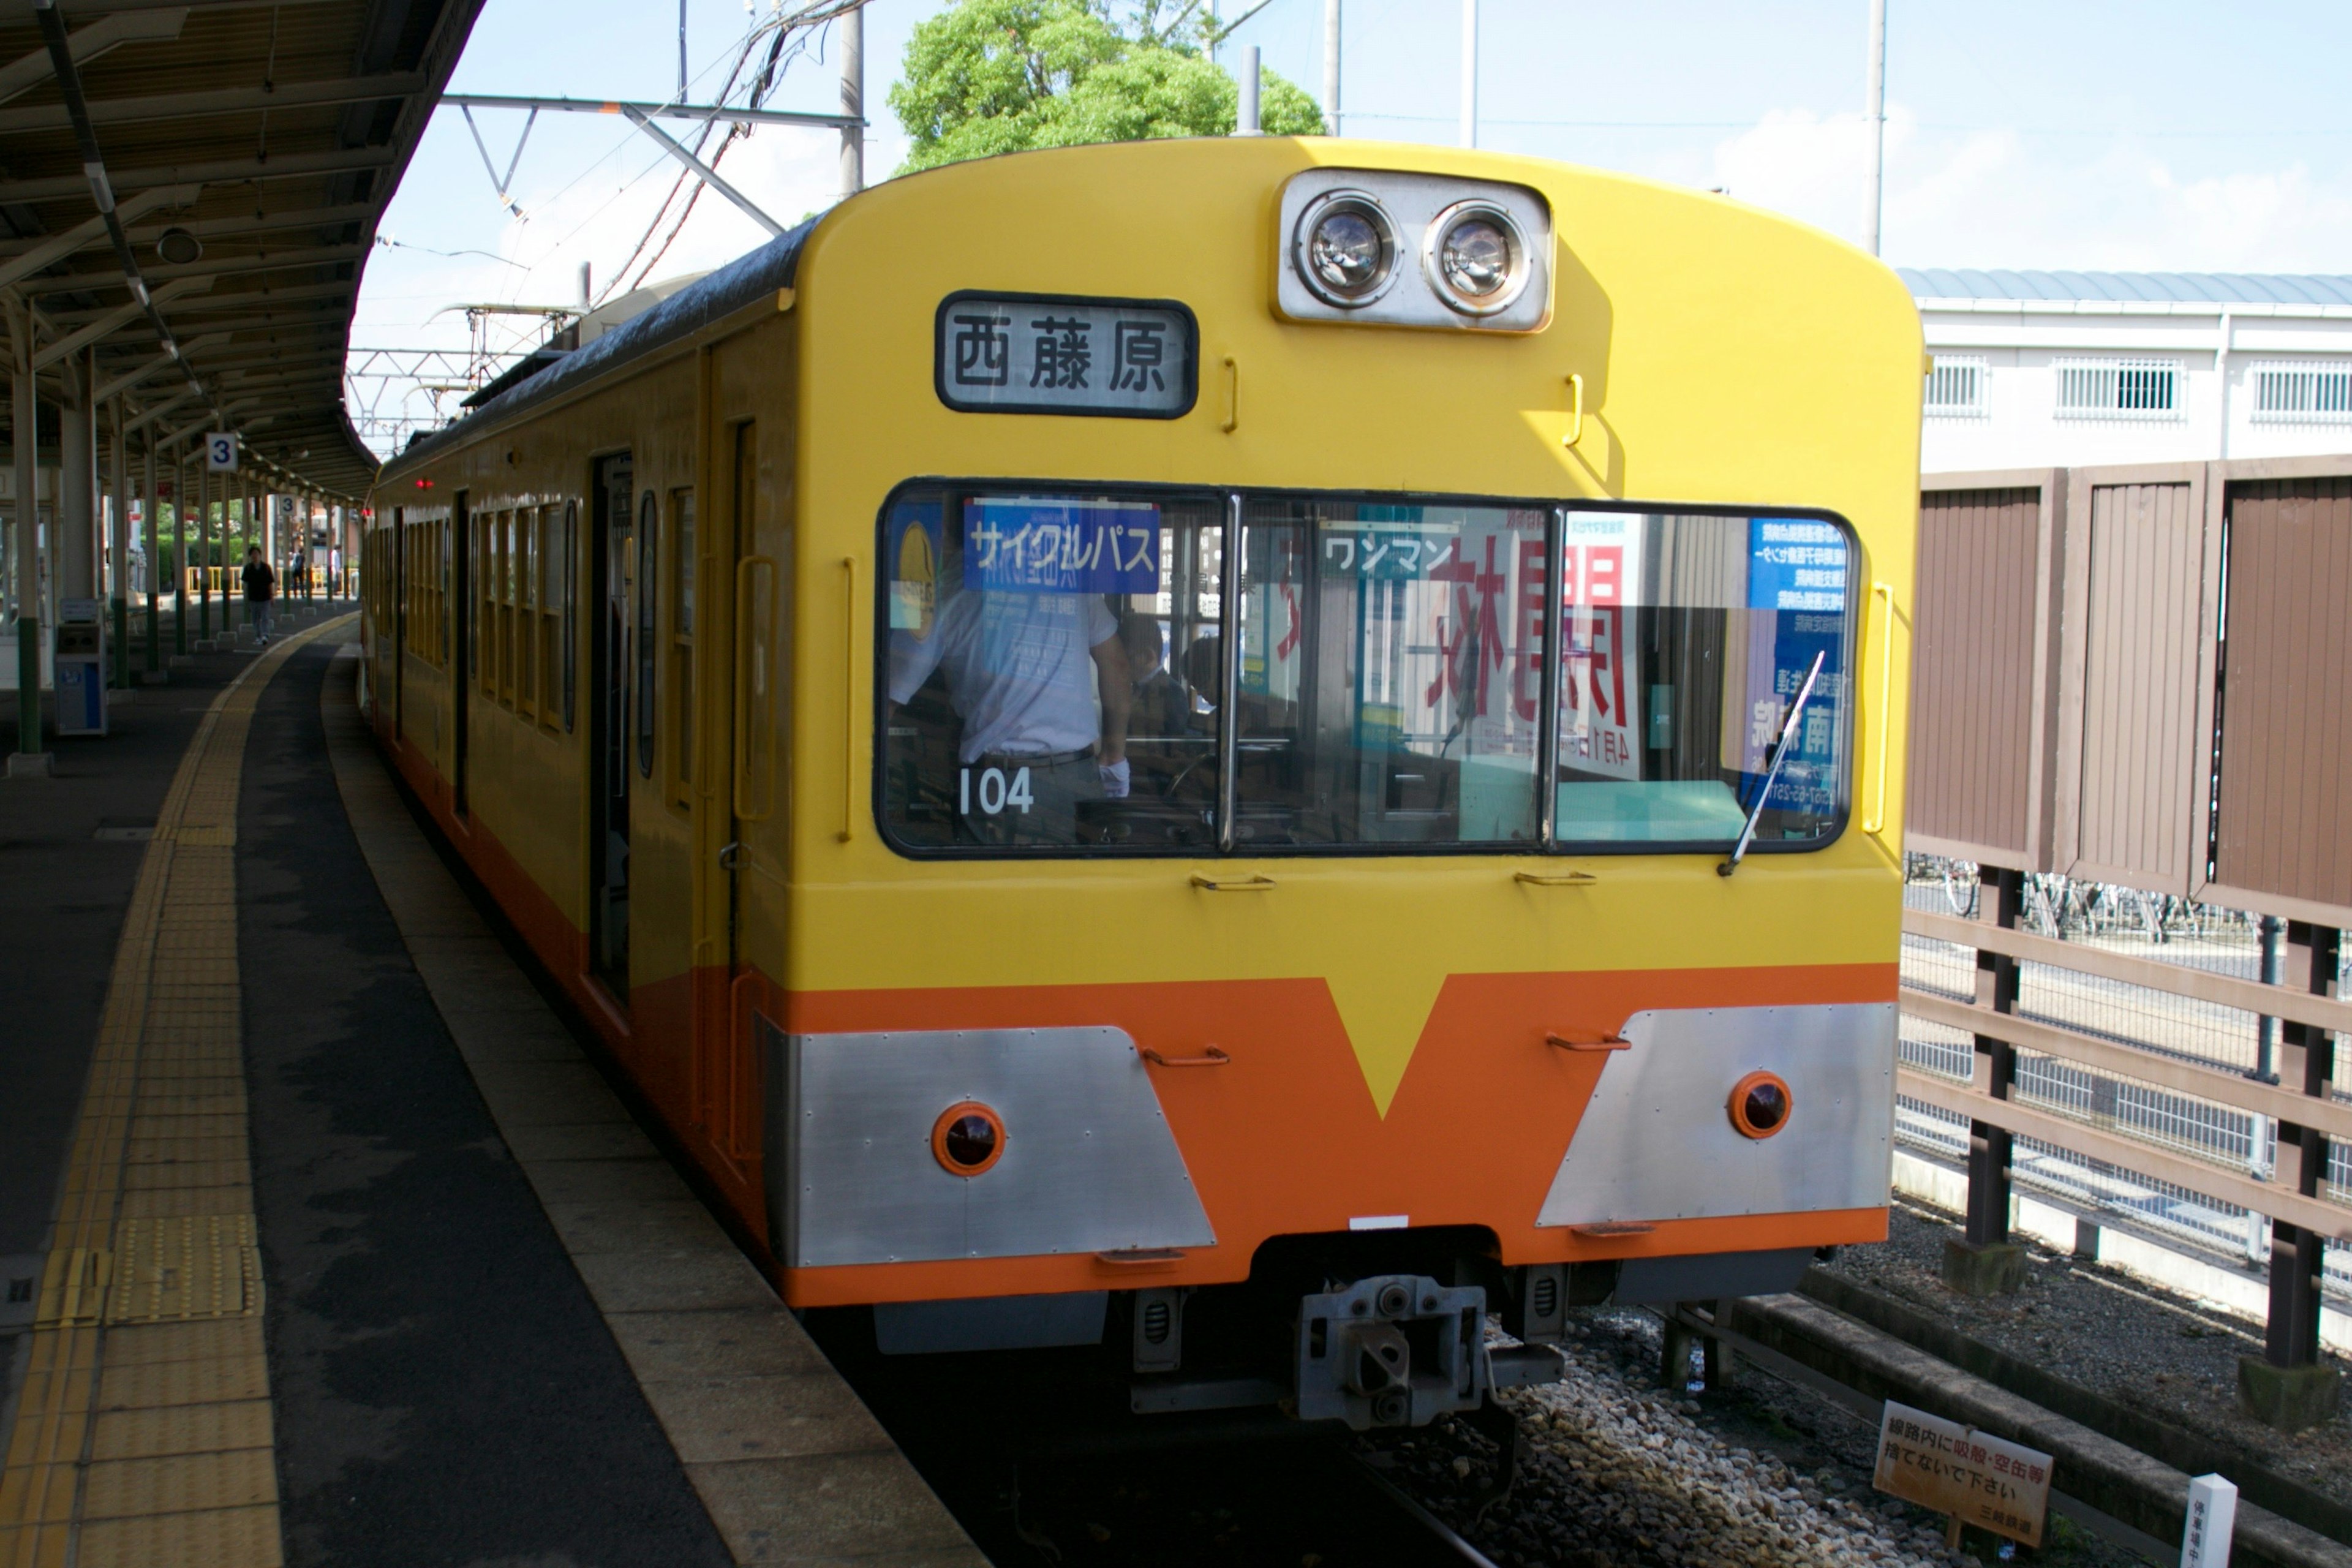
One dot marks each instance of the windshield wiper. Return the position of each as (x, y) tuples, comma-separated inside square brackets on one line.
[(1772, 768)]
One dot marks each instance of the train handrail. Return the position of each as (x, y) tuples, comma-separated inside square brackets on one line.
[(1555, 879), (1596, 1043), (849, 697), (1875, 822), (1211, 1056), (1575, 411), (741, 783), (1254, 883)]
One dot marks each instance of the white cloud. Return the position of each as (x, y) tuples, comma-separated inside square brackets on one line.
[(2004, 197)]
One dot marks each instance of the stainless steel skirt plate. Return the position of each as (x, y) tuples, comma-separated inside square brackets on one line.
[(1657, 1142), (1088, 1163)]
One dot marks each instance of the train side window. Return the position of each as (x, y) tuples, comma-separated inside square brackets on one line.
[(507, 574), (1051, 669), (648, 604), (548, 522), (570, 636), (1685, 642), (681, 643), (486, 618), (526, 538), (1390, 685)]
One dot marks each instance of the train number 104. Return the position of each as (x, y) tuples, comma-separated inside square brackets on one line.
[(997, 791)]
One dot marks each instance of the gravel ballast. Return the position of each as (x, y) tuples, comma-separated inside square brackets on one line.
[(2134, 1342), (1619, 1471)]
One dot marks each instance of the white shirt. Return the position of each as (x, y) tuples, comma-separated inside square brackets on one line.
[(1020, 668)]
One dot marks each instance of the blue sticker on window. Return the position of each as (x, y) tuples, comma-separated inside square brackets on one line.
[(1796, 571), (1025, 546), (1796, 564)]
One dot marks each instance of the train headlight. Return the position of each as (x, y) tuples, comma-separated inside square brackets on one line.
[(967, 1138), (1475, 258), (1760, 1104), (1345, 249)]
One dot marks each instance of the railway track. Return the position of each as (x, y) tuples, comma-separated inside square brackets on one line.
[(1616, 1472)]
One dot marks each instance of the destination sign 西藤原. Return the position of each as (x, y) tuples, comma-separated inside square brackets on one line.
[(1016, 353)]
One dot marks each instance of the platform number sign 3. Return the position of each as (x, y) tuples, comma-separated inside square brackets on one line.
[(220, 452)]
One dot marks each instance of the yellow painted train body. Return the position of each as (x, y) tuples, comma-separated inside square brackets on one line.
[(638, 616)]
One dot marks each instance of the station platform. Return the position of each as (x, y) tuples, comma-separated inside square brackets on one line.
[(323, 1239)]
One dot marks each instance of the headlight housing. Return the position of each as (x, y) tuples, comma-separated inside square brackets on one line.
[(1345, 249), (1399, 248), (1475, 258)]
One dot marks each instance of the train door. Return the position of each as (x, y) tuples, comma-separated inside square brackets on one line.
[(461, 660), (726, 1078), (399, 625), (612, 564)]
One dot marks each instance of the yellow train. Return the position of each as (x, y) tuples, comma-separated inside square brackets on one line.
[(1144, 744)]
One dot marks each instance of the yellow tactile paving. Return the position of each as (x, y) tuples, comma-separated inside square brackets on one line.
[(142, 1437), (233, 1171), (193, 1428), (215, 1538), (179, 1483), (212, 1339), (186, 1148)]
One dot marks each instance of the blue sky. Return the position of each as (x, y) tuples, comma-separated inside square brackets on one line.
[(2158, 136)]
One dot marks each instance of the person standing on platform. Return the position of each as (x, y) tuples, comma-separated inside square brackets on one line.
[(260, 589)]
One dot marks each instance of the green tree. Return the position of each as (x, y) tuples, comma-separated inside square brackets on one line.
[(1005, 75)]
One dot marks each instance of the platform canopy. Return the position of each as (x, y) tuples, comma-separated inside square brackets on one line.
[(248, 147)]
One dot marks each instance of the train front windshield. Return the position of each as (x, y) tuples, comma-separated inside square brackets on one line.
[(1056, 667)]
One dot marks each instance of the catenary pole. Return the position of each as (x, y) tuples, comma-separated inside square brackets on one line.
[(1245, 122), (1469, 73), (853, 102), (1874, 198), (1332, 67)]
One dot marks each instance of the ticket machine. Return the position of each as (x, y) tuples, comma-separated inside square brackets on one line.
[(81, 667)]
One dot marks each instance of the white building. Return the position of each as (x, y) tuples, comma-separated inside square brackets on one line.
[(2070, 369)]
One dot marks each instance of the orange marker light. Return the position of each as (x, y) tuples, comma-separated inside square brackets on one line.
[(1760, 1104), (967, 1138)]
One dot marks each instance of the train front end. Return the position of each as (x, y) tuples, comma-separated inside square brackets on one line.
[(1345, 708)]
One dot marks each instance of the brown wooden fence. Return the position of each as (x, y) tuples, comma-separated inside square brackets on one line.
[(2142, 678)]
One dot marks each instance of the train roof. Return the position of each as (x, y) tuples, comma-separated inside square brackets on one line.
[(714, 298)]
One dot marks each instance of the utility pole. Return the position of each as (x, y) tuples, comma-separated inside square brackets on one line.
[(853, 102), (1469, 73), (1876, 114), (1246, 123), (1332, 67)]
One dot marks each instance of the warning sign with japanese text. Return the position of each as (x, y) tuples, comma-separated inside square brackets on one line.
[(1977, 1478)]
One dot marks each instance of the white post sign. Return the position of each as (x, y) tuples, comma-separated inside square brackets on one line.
[(2212, 1515), (220, 452), (1975, 1477)]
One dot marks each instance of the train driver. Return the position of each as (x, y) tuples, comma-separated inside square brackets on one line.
[(1041, 687)]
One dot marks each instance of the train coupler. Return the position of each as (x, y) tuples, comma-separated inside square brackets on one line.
[(1395, 1350)]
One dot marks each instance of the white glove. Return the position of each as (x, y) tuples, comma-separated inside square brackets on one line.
[(1114, 779)]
